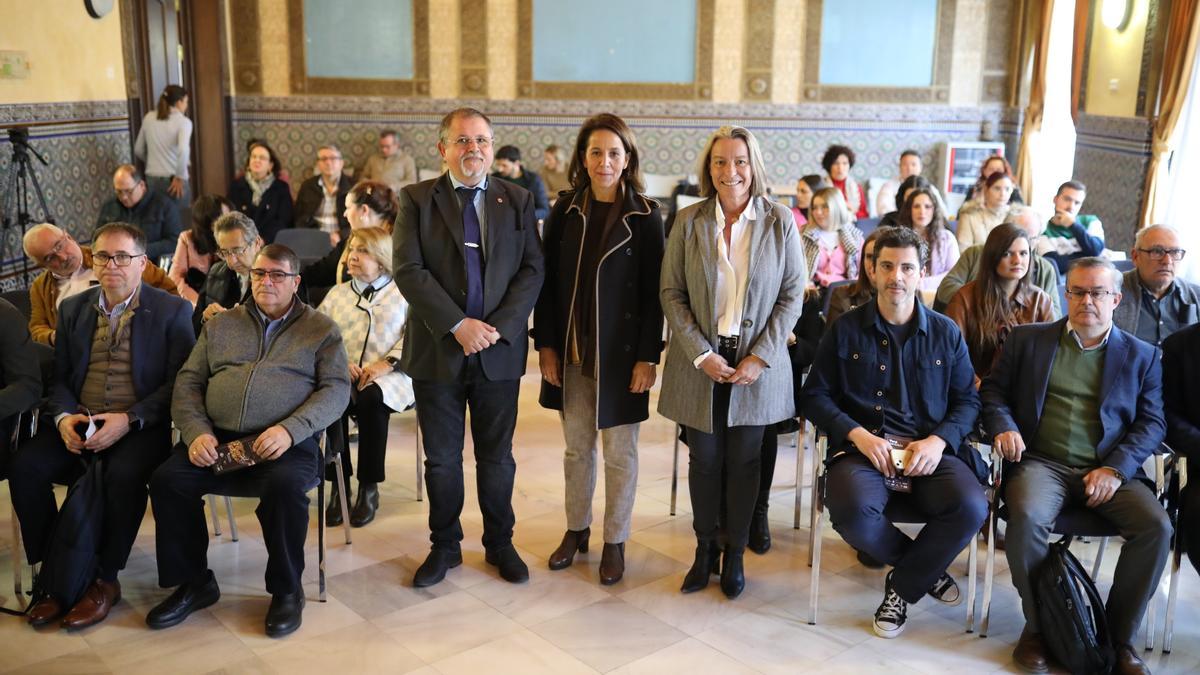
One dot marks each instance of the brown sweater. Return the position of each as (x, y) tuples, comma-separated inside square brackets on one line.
[(43, 296), (1032, 306)]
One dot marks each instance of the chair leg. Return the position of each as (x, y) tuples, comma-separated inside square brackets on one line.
[(341, 479), (17, 563), (814, 558), (801, 455), (233, 524), (1148, 622), (216, 519), (1172, 595), (972, 581), (420, 458), (675, 470), (1099, 558), (989, 572), (321, 535)]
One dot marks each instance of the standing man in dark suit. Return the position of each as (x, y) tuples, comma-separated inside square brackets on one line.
[(467, 258), (1075, 407), (119, 346)]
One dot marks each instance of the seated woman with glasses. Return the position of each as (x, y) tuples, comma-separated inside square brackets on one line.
[(1001, 296), (370, 312)]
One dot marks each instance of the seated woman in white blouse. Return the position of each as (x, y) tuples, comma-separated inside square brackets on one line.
[(370, 312)]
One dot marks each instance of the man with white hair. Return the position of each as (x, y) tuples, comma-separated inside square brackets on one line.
[(1045, 273), (1156, 303), (68, 271)]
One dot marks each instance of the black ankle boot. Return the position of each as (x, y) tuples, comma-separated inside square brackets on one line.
[(702, 568), (733, 576), (760, 531), (333, 512), (366, 505)]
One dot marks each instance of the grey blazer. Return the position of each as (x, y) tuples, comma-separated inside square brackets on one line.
[(774, 296), (1127, 313)]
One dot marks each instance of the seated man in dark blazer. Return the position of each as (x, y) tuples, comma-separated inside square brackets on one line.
[(321, 201), (138, 204), (20, 376), (119, 346), (1075, 407), (274, 369), (893, 372), (1181, 373), (466, 338)]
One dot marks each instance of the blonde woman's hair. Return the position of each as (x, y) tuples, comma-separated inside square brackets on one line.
[(378, 243), (758, 171), (839, 213)]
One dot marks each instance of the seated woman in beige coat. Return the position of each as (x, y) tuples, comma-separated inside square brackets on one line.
[(733, 281)]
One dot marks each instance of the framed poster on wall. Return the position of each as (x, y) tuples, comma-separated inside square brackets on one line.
[(960, 168)]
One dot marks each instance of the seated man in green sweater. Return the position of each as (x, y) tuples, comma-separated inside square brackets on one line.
[(1070, 234), (1076, 407), (274, 369)]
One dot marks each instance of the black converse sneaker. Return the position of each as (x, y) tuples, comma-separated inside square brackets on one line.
[(945, 590), (892, 612)]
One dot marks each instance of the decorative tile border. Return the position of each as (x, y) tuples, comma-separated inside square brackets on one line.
[(82, 141)]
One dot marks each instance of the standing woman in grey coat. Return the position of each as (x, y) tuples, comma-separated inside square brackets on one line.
[(732, 287)]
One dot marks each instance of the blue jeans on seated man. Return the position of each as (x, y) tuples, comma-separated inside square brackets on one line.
[(1036, 490), (951, 501), (177, 492)]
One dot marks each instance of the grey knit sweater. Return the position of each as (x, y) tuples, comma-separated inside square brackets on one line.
[(236, 381)]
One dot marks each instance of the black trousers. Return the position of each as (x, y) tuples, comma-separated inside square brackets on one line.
[(441, 412), (373, 415), (177, 492), (45, 461), (729, 455), (766, 473), (950, 499)]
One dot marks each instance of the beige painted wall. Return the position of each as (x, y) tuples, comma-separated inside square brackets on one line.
[(72, 56), (1116, 56)]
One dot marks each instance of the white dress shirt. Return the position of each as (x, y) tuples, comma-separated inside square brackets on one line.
[(733, 274)]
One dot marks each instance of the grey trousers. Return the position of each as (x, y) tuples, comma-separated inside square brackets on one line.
[(579, 461), (1037, 490)]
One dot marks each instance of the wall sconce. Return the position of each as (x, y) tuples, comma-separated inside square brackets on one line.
[(1115, 14)]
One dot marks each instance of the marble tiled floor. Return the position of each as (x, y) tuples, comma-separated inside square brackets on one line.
[(559, 622)]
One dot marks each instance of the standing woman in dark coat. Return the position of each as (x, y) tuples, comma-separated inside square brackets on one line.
[(261, 194), (598, 330)]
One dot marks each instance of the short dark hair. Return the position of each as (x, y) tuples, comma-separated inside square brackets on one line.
[(389, 132), (457, 113), (903, 237), (1072, 184), (281, 254), (910, 152), (205, 212), (510, 152), (833, 152), (132, 231), (1091, 262)]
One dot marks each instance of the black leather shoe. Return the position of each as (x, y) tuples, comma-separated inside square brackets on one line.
[(365, 505), (512, 568), (333, 512), (186, 599), (436, 564), (703, 567), (760, 531), (612, 563), (572, 541), (733, 576), (285, 614)]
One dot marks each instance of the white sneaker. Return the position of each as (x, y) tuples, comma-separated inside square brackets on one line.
[(892, 612)]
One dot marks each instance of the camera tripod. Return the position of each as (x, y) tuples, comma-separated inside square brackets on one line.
[(16, 191)]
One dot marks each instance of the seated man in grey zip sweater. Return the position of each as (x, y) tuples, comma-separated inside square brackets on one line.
[(272, 368)]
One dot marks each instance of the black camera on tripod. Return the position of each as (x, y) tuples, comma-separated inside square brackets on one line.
[(14, 200)]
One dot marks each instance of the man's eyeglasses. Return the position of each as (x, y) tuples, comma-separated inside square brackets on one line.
[(1096, 294), (122, 259), (275, 276), (464, 142), (233, 252), (329, 158), (1158, 253), (56, 251), (129, 192)]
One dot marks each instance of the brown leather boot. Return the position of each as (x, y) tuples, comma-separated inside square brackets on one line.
[(573, 540), (1030, 652), (1129, 663), (612, 563), (97, 602)]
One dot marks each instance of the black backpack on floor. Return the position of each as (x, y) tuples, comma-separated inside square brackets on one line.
[(1071, 613)]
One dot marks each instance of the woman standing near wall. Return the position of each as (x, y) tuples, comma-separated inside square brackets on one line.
[(598, 331), (732, 288), (164, 143)]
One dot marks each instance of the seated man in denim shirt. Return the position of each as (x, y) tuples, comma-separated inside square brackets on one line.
[(895, 368)]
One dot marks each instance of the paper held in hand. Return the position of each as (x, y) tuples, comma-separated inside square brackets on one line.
[(236, 455), (900, 458)]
